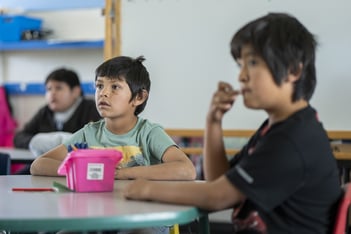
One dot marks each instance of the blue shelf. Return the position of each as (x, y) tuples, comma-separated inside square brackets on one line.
[(45, 45), (36, 5), (39, 88)]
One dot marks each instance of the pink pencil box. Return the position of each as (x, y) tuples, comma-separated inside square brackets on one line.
[(90, 170)]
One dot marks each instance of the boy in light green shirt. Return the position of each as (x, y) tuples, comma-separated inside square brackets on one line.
[(144, 145), (122, 90)]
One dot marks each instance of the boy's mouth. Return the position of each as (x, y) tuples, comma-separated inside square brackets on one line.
[(102, 103), (244, 90)]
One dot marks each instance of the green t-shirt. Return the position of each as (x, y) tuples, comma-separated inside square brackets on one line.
[(144, 145)]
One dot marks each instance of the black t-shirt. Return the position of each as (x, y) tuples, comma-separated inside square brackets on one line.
[(289, 176)]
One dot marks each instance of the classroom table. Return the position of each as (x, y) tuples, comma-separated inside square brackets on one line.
[(52, 211), (18, 155)]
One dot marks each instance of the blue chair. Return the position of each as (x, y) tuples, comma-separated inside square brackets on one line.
[(5, 164)]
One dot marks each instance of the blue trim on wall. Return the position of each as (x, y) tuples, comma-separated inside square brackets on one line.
[(39, 88), (88, 88)]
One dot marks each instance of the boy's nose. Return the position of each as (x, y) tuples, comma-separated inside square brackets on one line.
[(243, 75), (104, 92)]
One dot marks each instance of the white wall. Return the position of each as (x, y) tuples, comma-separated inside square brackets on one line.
[(186, 46)]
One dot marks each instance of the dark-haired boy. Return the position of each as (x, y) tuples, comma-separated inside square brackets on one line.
[(122, 90), (285, 180)]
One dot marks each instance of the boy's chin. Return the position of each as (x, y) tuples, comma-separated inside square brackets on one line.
[(102, 114), (252, 106)]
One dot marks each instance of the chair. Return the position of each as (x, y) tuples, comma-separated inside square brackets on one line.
[(342, 217), (5, 164)]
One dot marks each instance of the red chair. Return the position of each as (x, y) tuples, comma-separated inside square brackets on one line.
[(342, 217)]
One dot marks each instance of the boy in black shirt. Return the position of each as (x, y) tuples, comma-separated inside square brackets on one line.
[(285, 180)]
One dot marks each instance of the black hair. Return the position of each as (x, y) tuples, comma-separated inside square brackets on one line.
[(128, 69), (284, 44), (67, 76)]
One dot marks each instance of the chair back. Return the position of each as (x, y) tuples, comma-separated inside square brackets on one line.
[(5, 164), (342, 217)]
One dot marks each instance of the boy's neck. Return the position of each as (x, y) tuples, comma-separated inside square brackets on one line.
[(285, 112), (121, 126)]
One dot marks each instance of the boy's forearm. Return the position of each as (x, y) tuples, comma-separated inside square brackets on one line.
[(45, 167), (215, 161), (197, 193), (177, 170)]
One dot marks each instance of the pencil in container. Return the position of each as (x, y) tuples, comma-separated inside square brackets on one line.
[(74, 147)]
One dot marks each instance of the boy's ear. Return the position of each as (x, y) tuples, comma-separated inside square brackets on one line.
[(295, 74), (77, 91), (141, 97)]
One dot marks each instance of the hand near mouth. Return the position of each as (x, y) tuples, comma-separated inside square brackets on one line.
[(222, 101)]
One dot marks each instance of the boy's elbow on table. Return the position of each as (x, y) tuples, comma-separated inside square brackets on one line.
[(185, 170), (34, 168), (45, 167), (189, 172)]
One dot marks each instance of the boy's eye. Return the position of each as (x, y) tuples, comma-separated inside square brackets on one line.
[(251, 62), (115, 87), (59, 88), (98, 86)]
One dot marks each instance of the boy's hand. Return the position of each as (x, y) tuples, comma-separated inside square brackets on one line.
[(222, 101), (119, 173), (138, 190)]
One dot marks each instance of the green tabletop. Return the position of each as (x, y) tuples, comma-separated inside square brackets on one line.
[(52, 211)]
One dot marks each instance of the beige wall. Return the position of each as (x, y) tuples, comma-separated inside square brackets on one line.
[(24, 107)]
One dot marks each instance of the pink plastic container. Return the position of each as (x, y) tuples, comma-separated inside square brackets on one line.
[(90, 170)]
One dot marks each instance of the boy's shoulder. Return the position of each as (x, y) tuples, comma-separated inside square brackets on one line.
[(303, 126), (147, 125), (94, 125)]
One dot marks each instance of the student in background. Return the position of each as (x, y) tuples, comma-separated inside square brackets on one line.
[(285, 180), (66, 111)]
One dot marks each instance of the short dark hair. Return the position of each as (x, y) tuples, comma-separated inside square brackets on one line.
[(67, 76), (283, 43), (128, 69)]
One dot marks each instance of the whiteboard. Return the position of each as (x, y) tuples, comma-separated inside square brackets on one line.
[(186, 46)]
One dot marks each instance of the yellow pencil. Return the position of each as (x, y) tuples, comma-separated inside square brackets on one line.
[(74, 147)]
